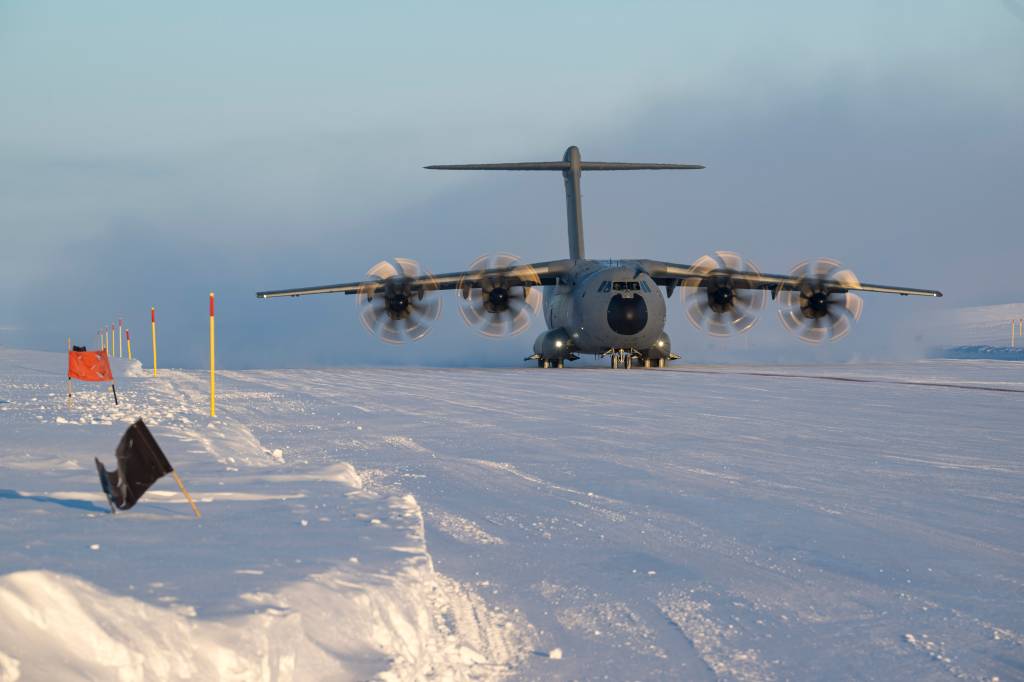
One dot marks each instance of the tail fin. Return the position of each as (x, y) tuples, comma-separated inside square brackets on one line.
[(571, 167)]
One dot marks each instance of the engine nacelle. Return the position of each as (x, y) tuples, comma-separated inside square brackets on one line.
[(553, 345)]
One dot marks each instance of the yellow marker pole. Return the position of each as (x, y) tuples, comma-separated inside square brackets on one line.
[(120, 338), (213, 378), (1013, 333), (128, 339), (152, 321)]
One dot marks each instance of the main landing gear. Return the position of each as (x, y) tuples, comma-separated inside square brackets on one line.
[(628, 358), (551, 363)]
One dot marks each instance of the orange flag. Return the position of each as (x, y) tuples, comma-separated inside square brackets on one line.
[(90, 365)]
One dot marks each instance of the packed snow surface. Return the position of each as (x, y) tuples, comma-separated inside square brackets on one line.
[(701, 523)]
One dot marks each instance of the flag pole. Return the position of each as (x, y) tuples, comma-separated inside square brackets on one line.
[(69, 372), (177, 479)]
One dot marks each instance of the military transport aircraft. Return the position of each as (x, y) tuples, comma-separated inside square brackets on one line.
[(608, 308)]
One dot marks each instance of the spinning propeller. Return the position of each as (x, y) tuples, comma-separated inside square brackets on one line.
[(816, 308), (717, 301), (395, 307), (496, 303)]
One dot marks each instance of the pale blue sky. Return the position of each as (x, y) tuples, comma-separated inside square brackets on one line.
[(151, 152)]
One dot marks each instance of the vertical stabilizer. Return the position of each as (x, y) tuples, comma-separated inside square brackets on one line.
[(571, 167), (574, 202)]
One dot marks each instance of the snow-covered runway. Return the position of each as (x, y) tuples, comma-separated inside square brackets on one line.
[(841, 522)]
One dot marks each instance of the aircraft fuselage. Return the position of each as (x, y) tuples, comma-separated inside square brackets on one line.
[(604, 306)]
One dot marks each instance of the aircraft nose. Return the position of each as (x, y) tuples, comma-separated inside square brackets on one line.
[(627, 316)]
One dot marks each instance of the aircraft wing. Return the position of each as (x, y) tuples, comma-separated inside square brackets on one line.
[(675, 274), (532, 273)]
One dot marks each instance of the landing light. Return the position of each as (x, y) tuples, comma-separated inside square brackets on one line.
[(558, 344), (660, 344)]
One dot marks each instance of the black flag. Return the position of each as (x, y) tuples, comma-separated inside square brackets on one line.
[(140, 463)]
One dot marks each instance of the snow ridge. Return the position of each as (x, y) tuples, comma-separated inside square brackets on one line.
[(154, 594)]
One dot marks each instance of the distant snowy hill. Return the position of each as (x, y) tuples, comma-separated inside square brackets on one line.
[(757, 522), (977, 326)]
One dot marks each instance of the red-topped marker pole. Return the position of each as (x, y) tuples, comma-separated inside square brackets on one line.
[(128, 340), (213, 380), (152, 328)]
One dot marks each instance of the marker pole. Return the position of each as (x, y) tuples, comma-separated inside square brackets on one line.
[(69, 372), (213, 380), (128, 339), (120, 338), (152, 322)]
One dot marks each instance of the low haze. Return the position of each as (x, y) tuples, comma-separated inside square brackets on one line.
[(151, 154)]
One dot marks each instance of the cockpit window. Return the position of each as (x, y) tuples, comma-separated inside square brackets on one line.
[(623, 286)]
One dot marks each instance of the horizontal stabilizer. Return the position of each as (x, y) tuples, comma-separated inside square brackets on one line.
[(565, 165), (614, 166), (525, 166), (571, 166)]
